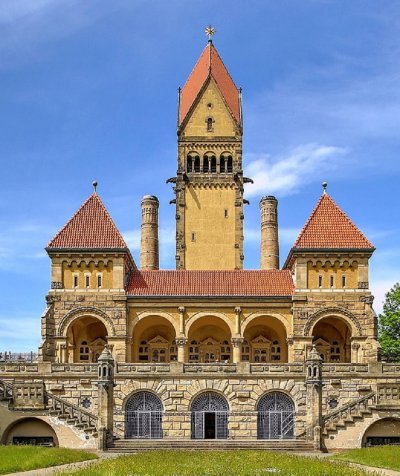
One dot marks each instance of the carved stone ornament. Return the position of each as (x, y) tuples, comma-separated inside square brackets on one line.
[(181, 342), (367, 299), (237, 341)]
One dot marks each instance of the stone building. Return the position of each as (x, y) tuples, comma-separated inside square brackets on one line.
[(283, 356)]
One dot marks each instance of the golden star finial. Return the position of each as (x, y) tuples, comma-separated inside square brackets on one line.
[(210, 31)]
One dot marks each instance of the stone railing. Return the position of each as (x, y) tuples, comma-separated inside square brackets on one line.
[(276, 368), (215, 367), (6, 390), (352, 408), (344, 368), (71, 413), (78, 368), (391, 368), (142, 368)]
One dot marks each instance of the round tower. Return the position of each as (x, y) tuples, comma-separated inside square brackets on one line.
[(269, 233), (149, 255)]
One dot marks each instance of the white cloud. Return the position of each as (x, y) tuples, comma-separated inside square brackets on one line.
[(286, 174)]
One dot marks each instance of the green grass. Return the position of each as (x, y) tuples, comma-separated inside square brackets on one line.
[(217, 463), (379, 456), (24, 458)]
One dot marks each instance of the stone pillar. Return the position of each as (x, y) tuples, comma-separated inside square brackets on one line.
[(237, 349), (314, 397), (181, 344), (269, 233), (105, 385), (149, 254), (181, 311), (238, 310)]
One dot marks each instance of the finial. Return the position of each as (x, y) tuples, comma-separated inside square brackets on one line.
[(210, 32), (94, 183), (324, 186)]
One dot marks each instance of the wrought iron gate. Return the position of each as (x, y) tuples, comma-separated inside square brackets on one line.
[(210, 417), (143, 416), (275, 418)]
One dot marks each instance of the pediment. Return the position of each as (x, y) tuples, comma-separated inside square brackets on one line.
[(158, 340), (261, 340), (210, 341), (321, 343)]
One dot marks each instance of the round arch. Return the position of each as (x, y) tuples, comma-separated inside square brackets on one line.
[(198, 315), (335, 312), (255, 315), (383, 431), (81, 312), (143, 415), (210, 412), (30, 430), (275, 416), (144, 314)]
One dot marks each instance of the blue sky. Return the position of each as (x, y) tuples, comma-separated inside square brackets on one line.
[(88, 90)]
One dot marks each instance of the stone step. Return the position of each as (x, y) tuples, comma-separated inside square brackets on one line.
[(126, 446)]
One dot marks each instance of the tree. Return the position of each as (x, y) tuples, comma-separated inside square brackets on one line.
[(389, 326)]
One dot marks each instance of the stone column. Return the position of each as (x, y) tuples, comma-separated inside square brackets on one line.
[(314, 397), (238, 310), (181, 311), (269, 233), (181, 344), (105, 407), (237, 349), (149, 254)]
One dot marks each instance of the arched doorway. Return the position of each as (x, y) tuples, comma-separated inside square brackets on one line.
[(275, 416), (143, 416), (382, 432), (332, 339), (30, 431), (87, 337), (210, 417)]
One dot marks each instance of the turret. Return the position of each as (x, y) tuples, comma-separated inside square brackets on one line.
[(269, 233), (149, 252)]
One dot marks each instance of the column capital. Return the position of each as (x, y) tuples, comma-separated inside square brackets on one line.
[(181, 341), (237, 341)]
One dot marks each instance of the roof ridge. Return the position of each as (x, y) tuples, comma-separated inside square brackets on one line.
[(226, 69), (309, 219), (195, 66)]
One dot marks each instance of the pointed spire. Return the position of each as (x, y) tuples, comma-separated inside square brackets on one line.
[(208, 65)]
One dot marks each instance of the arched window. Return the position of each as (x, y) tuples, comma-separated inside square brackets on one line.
[(210, 416), (189, 164), (275, 418), (84, 351), (194, 351), (213, 164), (143, 416), (210, 124), (229, 167), (197, 164), (206, 164), (222, 164), (143, 351)]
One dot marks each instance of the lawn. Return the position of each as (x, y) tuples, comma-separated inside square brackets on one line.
[(216, 463), (379, 456), (24, 458)]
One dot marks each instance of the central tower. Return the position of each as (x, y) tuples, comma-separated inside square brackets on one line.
[(209, 181)]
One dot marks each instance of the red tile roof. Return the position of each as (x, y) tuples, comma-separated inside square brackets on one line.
[(209, 64), (329, 227), (211, 283), (90, 228)]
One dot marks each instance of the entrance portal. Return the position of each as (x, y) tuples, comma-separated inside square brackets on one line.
[(275, 418), (143, 416), (210, 417)]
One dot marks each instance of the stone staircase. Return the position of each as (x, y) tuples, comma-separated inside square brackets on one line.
[(347, 414), (130, 446), (71, 414), (56, 407)]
